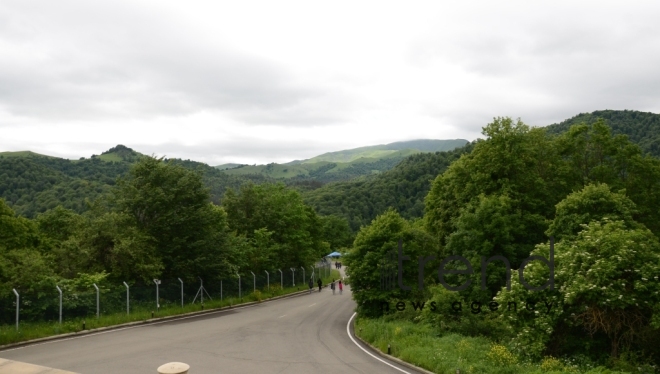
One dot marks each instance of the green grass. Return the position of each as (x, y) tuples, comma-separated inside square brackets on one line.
[(271, 170), (286, 171), (389, 150), (419, 344), (110, 157), (226, 166), (138, 312), (350, 155), (23, 154)]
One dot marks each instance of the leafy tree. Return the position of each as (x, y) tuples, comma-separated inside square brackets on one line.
[(608, 288), (515, 161), (171, 206), (590, 154), (112, 241), (256, 253), (642, 128), (15, 232), (336, 232), (274, 217), (59, 231), (594, 202), (59, 224), (493, 226), (22, 266), (372, 251)]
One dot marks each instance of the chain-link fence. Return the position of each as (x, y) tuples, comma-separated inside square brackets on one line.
[(44, 304)]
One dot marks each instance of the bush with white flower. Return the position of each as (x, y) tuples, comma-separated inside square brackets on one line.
[(604, 289)]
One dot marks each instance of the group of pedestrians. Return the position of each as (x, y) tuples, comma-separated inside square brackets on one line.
[(337, 265), (311, 284), (340, 285), (320, 284)]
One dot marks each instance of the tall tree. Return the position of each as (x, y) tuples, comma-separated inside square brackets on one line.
[(373, 259), (271, 213), (171, 205), (514, 161)]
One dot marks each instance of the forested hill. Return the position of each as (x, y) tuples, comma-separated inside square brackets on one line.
[(346, 164), (374, 151), (32, 183), (403, 188), (642, 128)]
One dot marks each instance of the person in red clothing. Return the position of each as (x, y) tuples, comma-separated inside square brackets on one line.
[(341, 287)]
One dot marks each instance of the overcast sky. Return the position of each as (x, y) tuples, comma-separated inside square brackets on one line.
[(274, 81)]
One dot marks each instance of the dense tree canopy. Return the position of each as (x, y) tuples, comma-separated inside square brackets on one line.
[(373, 260), (172, 206), (402, 188), (642, 128), (157, 221), (276, 219), (595, 193)]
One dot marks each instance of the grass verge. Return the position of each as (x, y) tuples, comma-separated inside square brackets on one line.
[(420, 345)]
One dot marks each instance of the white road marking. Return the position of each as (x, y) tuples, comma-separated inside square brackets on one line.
[(281, 316), (311, 305), (348, 331)]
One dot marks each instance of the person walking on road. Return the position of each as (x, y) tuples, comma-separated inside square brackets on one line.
[(311, 285), (320, 284), (341, 287), (332, 286)]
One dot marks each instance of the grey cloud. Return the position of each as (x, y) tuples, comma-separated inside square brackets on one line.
[(135, 66), (240, 150), (550, 68)]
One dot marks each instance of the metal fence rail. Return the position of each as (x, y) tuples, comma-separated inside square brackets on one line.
[(61, 302)]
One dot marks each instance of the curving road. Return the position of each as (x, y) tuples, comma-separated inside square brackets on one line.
[(301, 334)]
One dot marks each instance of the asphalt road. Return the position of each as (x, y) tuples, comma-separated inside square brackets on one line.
[(302, 334)]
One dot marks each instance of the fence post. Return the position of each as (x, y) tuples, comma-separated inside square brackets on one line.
[(157, 281), (267, 280), (201, 290), (254, 282), (281, 279), (97, 301), (239, 286), (60, 290), (220, 290), (127, 300), (313, 272), (181, 291), (294, 276), (18, 301), (303, 278)]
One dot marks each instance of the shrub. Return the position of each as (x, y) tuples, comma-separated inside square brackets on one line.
[(501, 356), (550, 363)]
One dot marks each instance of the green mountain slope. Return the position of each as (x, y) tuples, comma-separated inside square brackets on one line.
[(22, 154), (226, 166), (404, 188), (406, 185), (346, 164), (323, 171), (384, 150), (31, 183), (642, 128)]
